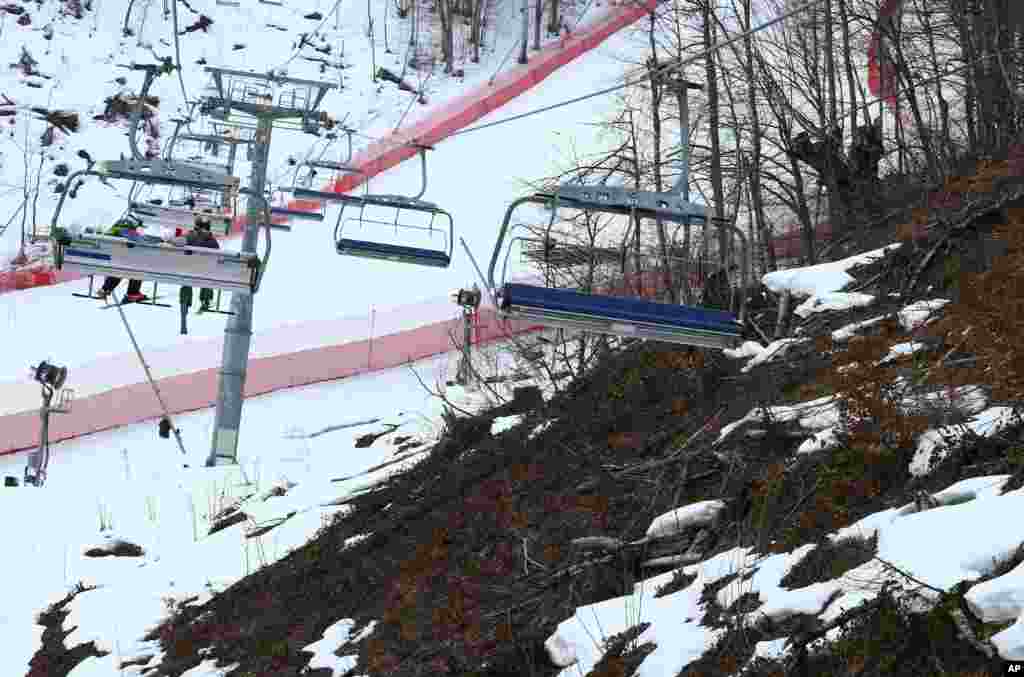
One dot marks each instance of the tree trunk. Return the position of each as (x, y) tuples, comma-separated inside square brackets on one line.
[(968, 55), (711, 75), (803, 213), (830, 69), (524, 40), (659, 185), (904, 77), (444, 9), (837, 207), (1008, 97), (475, 30), (851, 81), (538, 19), (943, 104), (756, 200), (976, 35), (634, 150)]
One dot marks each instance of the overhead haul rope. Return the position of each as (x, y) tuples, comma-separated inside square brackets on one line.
[(149, 376), (177, 49), (675, 67), (315, 31)]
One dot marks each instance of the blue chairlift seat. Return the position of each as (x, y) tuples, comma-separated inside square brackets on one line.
[(621, 316), (393, 252)]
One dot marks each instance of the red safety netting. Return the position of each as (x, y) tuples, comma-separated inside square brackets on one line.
[(882, 75), (188, 392)]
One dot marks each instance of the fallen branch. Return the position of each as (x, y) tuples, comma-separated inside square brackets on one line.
[(328, 429), (961, 221), (675, 455), (965, 631)]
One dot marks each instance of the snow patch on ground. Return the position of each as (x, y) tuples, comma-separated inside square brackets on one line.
[(919, 313), (820, 279), (333, 637), (933, 444), (851, 330), (759, 354), (503, 423), (836, 300), (693, 515)]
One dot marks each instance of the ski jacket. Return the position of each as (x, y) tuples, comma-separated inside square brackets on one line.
[(201, 238), (122, 230)]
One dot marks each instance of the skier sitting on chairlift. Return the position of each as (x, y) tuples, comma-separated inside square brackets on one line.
[(199, 236), (129, 229)]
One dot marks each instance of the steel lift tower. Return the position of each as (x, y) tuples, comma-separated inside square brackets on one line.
[(262, 99)]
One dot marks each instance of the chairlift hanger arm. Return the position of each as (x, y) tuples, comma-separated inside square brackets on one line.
[(64, 194), (345, 165), (536, 198), (423, 166), (133, 126)]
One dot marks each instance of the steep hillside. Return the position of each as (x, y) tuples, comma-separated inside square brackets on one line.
[(833, 504)]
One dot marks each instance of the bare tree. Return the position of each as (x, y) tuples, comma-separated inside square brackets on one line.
[(711, 75)]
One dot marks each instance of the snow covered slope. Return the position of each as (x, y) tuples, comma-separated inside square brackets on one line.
[(306, 280)]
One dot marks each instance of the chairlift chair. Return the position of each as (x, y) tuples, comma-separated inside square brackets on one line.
[(152, 259), (347, 245), (180, 217), (306, 171), (344, 166), (92, 254), (318, 214), (628, 317)]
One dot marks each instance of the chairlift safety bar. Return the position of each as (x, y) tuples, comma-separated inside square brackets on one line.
[(162, 262), (573, 310), (184, 265)]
